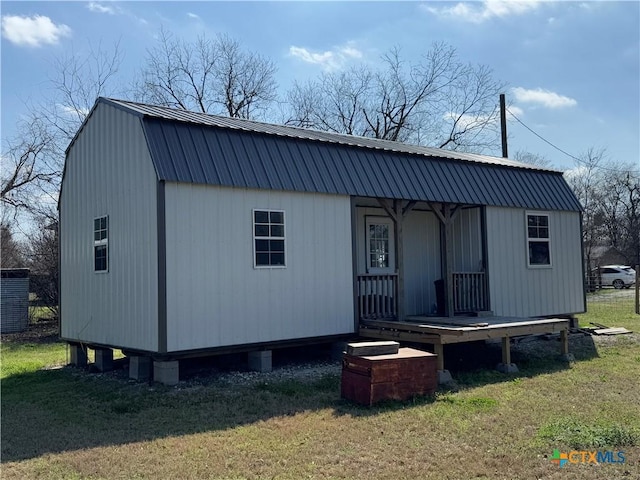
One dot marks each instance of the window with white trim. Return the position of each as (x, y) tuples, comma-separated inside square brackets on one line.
[(101, 244), (538, 240), (380, 245), (268, 238)]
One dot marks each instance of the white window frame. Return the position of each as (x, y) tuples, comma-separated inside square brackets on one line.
[(379, 220), (538, 239), (101, 242), (268, 237)]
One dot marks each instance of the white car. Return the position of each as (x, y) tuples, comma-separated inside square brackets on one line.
[(618, 276)]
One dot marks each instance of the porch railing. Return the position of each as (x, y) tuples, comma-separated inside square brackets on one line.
[(377, 294), (469, 292)]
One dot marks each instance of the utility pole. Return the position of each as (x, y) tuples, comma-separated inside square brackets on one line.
[(503, 125)]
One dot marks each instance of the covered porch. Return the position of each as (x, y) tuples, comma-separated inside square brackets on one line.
[(418, 259)]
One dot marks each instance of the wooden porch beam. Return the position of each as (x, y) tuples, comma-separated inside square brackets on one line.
[(454, 213), (443, 218), (408, 207), (384, 203), (437, 212)]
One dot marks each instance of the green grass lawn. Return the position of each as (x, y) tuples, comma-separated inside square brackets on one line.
[(67, 423)]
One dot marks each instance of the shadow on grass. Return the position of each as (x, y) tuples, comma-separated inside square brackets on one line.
[(473, 364), (52, 411)]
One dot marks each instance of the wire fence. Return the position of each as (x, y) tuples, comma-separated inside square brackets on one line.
[(606, 297), (611, 303)]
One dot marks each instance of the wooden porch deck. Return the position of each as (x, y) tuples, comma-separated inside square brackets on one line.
[(440, 331)]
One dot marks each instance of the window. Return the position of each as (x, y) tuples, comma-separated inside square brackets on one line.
[(538, 240), (268, 238), (101, 244), (380, 246)]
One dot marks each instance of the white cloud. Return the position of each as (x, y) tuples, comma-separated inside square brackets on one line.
[(575, 172), (33, 31), (101, 8), (193, 15), (329, 60), (514, 110), (73, 111), (478, 12), (325, 59), (351, 52), (465, 121), (110, 8), (542, 97)]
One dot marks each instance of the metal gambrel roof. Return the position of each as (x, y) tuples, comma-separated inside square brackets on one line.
[(206, 149)]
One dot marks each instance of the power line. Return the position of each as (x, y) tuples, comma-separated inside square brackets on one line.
[(579, 160)]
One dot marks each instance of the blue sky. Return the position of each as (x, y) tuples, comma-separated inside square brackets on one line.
[(572, 69)]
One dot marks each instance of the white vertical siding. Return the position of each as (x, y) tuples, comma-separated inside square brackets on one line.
[(215, 297), (422, 265), (109, 172), (467, 241), (521, 291)]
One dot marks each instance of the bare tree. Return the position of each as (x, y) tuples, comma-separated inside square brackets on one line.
[(77, 81), (207, 75), (30, 168), (533, 159), (32, 161), (11, 251), (610, 196), (437, 101), (333, 103), (586, 181), (621, 212), (42, 260)]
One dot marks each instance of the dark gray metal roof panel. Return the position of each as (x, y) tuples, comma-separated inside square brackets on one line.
[(185, 116), (205, 149)]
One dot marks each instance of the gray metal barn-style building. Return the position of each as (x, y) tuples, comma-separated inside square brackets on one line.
[(184, 233)]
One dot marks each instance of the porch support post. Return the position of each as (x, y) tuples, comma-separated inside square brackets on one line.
[(399, 220), (447, 215), (564, 346), (506, 366), (397, 212), (448, 260), (444, 376), (506, 350)]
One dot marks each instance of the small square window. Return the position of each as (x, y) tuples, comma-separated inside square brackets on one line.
[(276, 217), (261, 216)]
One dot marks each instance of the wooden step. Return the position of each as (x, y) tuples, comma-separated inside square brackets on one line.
[(612, 331), (364, 349)]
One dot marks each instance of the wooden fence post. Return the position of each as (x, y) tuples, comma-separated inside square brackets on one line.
[(638, 289)]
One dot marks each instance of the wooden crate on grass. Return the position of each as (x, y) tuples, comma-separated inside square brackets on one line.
[(371, 379)]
